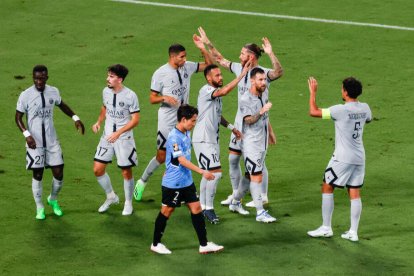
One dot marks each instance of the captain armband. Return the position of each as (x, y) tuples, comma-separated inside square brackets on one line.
[(326, 114), (75, 118)]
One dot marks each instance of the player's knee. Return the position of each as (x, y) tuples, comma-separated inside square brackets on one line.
[(160, 156), (127, 173), (98, 170), (38, 174)]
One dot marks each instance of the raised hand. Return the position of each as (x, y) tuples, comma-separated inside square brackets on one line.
[(313, 85), (267, 47)]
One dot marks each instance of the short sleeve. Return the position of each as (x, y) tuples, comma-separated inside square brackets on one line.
[(21, 105), (207, 93), (134, 107), (369, 114), (245, 108), (335, 111), (236, 68), (192, 67), (156, 83), (58, 99)]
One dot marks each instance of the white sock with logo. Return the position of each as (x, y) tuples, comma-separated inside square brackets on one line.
[(37, 190), (211, 187), (56, 187), (150, 169), (356, 209), (327, 209)]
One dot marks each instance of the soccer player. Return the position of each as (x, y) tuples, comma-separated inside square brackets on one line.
[(347, 165), (42, 145), (254, 107), (178, 185), (170, 87), (206, 133), (120, 111), (252, 52)]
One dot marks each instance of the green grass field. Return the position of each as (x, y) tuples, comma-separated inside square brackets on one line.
[(77, 40)]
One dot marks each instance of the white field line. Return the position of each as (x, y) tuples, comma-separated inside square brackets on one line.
[(266, 15)]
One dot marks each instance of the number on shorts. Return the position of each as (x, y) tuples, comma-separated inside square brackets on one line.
[(39, 159), (176, 195), (102, 151)]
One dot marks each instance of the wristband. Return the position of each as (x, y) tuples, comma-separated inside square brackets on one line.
[(75, 118), (26, 133), (230, 126)]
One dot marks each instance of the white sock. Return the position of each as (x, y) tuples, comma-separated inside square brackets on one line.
[(255, 190), (105, 183), (244, 187), (203, 184), (37, 190), (356, 209), (234, 171), (56, 187), (211, 188), (150, 169), (128, 189), (265, 181), (327, 209)]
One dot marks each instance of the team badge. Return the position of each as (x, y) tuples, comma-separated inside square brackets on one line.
[(121, 104), (175, 147), (51, 101), (185, 75)]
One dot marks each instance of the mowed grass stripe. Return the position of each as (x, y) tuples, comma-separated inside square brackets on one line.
[(280, 16)]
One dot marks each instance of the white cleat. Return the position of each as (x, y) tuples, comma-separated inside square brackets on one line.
[(238, 208), (321, 232), (108, 202), (251, 203), (160, 249), (128, 209), (350, 235), (227, 201), (265, 217), (211, 247)]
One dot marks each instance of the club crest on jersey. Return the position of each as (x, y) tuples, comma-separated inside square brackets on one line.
[(185, 75), (175, 147), (51, 101), (121, 104)]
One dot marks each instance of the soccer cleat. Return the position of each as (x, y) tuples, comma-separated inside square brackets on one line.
[(108, 202), (160, 249), (211, 247), (265, 217), (323, 231), (251, 203), (128, 209), (227, 201), (40, 213), (55, 206), (211, 216), (238, 208), (139, 190), (350, 235)]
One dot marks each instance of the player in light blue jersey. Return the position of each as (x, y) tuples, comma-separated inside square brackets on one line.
[(170, 87), (42, 145), (178, 185), (347, 165)]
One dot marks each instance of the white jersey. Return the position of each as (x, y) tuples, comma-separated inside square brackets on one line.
[(209, 116), (38, 107), (254, 135), (175, 83), (119, 107), (244, 86), (350, 119)]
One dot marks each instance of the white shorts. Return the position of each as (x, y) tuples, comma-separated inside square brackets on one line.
[(340, 174), (208, 155), (162, 135), (254, 161), (124, 150), (235, 145), (41, 157)]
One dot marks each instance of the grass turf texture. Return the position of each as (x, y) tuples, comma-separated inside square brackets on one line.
[(77, 40)]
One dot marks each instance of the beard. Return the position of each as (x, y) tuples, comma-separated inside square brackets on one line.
[(261, 89), (217, 84)]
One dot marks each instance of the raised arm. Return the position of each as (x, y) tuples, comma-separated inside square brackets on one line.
[(216, 55), (314, 110), (228, 87), (277, 70), (68, 111), (156, 98), (31, 143), (251, 119), (208, 59)]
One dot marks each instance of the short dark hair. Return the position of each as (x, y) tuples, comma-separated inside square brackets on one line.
[(352, 86), (186, 111), (40, 68), (118, 69), (175, 49), (255, 71), (256, 50), (209, 68)]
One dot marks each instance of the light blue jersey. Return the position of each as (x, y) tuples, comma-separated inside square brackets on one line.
[(177, 176)]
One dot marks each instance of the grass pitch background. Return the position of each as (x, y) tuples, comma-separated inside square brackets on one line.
[(77, 40)]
